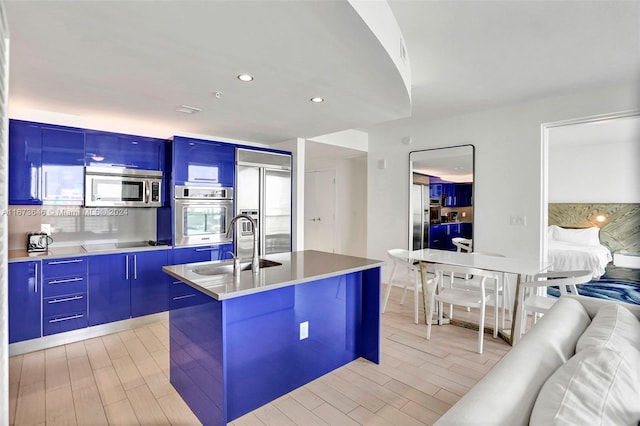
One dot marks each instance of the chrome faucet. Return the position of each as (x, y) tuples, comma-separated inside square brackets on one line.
[(255, 265)]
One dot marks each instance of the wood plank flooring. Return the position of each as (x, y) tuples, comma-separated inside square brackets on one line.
[(123, 379)]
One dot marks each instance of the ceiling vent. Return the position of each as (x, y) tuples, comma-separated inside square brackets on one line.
[(188, 109)]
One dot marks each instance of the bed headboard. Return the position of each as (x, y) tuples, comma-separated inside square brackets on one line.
[(619, 231)]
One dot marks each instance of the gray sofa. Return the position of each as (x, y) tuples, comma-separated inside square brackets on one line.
[(571, 368)]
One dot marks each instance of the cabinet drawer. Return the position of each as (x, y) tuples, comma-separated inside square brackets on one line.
[(182, 295), (67, 322), (60, 305), (64, 267), (66, 285)]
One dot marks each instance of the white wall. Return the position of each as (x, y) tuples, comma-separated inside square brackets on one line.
[(351, 202), (508, 167), (602, 173)]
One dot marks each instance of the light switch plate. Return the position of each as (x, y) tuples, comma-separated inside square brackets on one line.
[(304, 330)]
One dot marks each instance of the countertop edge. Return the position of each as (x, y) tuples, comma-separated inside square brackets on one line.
[(256, 290), (22, 256)]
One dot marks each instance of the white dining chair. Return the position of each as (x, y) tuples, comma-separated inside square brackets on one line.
[(535, 303), (443, 292), (464, 245), (400, 259)]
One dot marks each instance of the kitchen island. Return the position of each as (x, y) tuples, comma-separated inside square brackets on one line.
[(238, 343)]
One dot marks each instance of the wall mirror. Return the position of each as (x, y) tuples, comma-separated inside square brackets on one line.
[(442, 194)]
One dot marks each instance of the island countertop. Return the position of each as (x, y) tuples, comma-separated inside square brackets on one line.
[(297, 267)]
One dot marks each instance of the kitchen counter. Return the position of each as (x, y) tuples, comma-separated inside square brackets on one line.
[(296, 268), (235, 346), (58, 252)]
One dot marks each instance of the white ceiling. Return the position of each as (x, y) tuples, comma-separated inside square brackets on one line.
[(138, 60)]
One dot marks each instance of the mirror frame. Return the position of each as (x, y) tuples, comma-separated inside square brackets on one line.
[(410, 183)]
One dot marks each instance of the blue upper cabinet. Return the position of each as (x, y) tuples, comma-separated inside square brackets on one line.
[(25, 163), (203, 162), (62, 166), (118, 150)]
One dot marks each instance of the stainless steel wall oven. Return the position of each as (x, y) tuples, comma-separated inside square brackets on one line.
[(202, 215)]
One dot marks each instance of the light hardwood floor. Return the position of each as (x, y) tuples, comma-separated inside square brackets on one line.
[(123, 379)]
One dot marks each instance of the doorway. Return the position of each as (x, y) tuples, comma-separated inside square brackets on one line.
[(319, 210)]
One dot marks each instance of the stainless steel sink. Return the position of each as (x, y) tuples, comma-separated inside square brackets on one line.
[(227, 267)]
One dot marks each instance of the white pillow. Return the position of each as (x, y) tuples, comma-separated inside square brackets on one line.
[(597, 386), (613, 326), (587, 236)]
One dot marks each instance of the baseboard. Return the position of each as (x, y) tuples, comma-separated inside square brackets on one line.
[(73, 336)]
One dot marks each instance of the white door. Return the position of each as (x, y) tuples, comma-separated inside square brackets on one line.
[(319, 210)]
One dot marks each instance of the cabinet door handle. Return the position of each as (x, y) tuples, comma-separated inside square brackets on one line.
[(62, 262), (68, 280), (135, 266), (207, 249), (35, 278), (183, 297), (127, 266), (67, 299), (206, 179), (66, 318)]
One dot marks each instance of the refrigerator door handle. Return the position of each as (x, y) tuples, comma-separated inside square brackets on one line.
[(262, 214)]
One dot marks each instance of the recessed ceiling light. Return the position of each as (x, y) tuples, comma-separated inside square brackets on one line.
[(245, 77), (188, 109), (317, 99)]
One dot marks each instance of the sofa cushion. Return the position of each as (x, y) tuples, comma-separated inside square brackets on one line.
[(612, 326), (597, 386)]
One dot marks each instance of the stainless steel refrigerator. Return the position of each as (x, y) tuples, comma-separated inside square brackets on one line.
[(263, 191), (420, 216)]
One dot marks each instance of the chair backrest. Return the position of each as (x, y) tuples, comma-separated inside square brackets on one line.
[(562, 279), (442, 269), (401, 257), (463, 244)]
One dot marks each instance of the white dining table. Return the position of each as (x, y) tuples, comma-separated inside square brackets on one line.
[(520, 267)]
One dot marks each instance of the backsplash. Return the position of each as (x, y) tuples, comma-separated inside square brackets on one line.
[(73, 225), (619, 231)]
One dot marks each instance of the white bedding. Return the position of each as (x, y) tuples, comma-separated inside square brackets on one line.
[(571, 257)]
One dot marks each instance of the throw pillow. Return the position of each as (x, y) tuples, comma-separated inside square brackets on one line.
[(612, 326), (597, 386)]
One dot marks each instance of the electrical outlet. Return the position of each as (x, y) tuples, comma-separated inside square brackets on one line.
[(304, 330), (46, 228), (518, 221)]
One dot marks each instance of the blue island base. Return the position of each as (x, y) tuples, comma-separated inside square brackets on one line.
[(232, 356)]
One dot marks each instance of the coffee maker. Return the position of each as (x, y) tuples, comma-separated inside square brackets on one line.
[(453, 216), (38, 242)]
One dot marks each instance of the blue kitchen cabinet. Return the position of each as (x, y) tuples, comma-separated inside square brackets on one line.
[(466, 230), (25, 289), (62, 166), (201, 254), (435, 190), (120, 150), (148, 282), (462, 195), (449, 194), (25, 163), (438, 236), (203, 162), (64, 295), (109, 288)]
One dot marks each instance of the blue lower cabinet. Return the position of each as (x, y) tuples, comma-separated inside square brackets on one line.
[(148, 282), (64, 322), (25, 290), (109, 288), (201, 254)]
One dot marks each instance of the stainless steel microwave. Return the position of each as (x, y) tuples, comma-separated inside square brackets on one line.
[(119, 187)]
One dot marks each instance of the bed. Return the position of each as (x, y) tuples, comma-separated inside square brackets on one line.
[(577, 249)]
